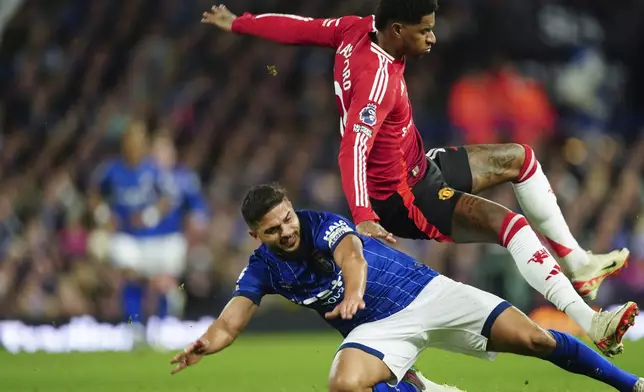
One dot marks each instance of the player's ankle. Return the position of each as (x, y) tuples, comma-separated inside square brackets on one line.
[(575, 261)]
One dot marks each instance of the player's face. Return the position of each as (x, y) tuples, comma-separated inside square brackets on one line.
[(418, 39), (280, 228), (164, 152), (135, 142)]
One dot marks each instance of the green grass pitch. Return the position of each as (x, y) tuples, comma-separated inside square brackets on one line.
[(281, 363)]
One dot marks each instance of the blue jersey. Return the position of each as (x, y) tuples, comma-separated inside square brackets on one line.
[(183, 187), (129, 190), (310, 277)]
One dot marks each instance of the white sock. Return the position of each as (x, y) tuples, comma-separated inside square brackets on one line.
[(541, 271), (578, 311), (539, 204)]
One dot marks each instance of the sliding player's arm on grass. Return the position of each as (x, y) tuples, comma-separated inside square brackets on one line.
[(251, 287), (364, 115), (282, 28)]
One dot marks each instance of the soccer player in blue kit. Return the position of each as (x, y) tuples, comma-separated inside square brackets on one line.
[(146, 203), (187, 218), (388, 306)]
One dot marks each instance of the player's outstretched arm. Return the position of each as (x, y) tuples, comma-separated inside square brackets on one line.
[(282, 28), (221, 333), (365, 114), (349, 256)]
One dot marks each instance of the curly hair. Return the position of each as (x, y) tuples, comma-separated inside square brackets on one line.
[(403, 11)]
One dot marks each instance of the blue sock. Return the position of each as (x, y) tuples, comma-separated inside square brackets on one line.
[(162, 310), (401, 387), (574, 356), (132, 297)]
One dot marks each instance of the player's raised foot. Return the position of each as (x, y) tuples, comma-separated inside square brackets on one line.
[(608, 328), (416, 378), (639, 386), (588, 279)]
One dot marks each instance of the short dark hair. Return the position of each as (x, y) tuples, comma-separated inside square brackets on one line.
[(259, 200), (404, 11)]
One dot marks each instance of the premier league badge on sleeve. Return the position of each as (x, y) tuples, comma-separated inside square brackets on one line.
[(368, 114)]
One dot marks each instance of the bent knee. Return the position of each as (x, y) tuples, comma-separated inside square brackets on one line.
[(346, 383), (526, 163)]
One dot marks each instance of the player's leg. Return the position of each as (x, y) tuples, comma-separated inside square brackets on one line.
[(475, 168), (464, 319), (125, 254), (467, 218), (356, 370), (479, 220), (513, 332), (167, 257), (379, 356)]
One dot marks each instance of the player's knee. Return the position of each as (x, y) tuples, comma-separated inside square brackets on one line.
[(537, 342), (526, 163), (346, 382)]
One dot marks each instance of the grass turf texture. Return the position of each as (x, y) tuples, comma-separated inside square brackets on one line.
[(281, 363)]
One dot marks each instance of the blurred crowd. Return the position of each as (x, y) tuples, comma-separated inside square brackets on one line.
[(560, 75)]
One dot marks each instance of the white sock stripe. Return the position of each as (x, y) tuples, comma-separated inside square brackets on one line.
[(508, 229), (533, 161)]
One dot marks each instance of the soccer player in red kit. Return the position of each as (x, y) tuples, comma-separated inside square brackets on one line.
[(394, 188)]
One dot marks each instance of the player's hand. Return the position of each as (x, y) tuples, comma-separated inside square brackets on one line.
[(219, 16), (136, 220), (347, 308), (191, 355), (373, 229)]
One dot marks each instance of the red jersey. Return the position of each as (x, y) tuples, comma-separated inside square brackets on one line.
[(381, 152)]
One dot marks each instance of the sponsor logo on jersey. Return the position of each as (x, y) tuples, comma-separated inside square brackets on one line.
[(368, 114), (330, 296), (335, 232), (357, 128), (285, 284), (445, 193)]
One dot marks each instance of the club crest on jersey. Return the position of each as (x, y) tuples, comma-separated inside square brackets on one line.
[(321, 262), (445, 193), (368, 114)]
